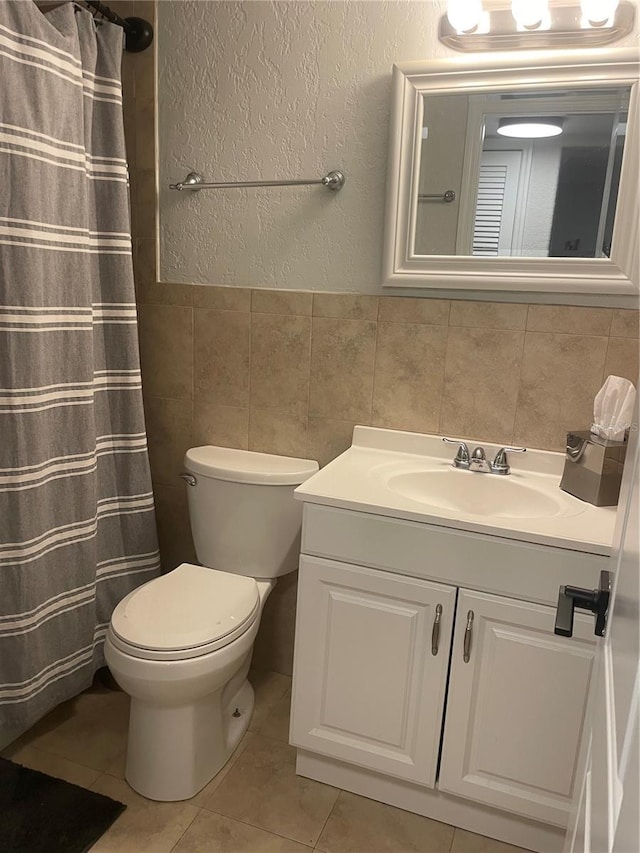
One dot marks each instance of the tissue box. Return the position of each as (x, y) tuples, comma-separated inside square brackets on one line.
[(593, 468)]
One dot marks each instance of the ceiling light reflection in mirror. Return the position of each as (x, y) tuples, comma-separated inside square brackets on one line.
[(527, 127)]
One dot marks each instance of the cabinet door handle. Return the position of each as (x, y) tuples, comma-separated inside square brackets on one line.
[(435, 632), (467, 637)]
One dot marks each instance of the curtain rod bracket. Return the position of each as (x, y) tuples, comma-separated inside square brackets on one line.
[(138, 33), (138, 36)]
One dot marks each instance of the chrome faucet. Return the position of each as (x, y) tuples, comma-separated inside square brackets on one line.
[(462, 456), (477, 461)]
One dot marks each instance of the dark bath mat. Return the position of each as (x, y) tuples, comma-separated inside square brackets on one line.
[(40, 814)]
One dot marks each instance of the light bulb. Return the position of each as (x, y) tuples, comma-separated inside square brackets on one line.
[(598, 11), (464, 15), (529, 14)]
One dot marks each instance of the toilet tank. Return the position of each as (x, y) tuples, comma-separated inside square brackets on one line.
[(244, 518)]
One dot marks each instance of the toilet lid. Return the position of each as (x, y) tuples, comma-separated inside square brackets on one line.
[(190, 607)]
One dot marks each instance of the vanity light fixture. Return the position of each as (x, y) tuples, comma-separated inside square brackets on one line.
[(524, 24), (531, 14), (465, 15), (598, 13), (522, 127)]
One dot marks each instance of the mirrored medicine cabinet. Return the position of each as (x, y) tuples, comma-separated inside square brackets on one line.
[(515, 173)]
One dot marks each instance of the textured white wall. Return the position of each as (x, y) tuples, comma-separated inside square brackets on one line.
[(281, 90), (272, 90)]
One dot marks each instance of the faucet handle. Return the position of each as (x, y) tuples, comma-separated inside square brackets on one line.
[(500, 462), (463, 451)]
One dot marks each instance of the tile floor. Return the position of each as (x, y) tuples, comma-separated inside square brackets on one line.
[(256, 804)]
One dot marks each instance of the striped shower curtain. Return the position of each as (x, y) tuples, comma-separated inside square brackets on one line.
[(77, 527)]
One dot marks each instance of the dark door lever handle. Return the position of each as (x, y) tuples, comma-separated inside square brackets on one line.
[(594, 600)]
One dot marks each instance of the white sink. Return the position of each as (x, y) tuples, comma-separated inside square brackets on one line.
[(473, 493), (410, 476)]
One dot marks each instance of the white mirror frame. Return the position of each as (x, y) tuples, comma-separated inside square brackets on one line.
[(593, 281)]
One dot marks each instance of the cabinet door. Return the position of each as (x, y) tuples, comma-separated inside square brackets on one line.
[(368, 688), (515, 709)]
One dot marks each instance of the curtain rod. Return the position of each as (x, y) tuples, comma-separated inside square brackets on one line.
[(138, 33)]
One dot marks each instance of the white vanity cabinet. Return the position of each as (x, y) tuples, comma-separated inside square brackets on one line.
[(372, 654), (493, 719), (516, 704), (427, 674)]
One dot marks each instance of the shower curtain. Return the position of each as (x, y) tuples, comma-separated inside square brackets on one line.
[(77, 526)]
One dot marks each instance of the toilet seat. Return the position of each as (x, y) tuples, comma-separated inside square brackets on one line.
[(186, 613)]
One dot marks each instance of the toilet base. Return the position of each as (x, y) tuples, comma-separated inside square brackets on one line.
[(174, 752)]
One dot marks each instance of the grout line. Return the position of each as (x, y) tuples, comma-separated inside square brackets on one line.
[(518, 388), (95, 782), (610, 323), (313, 329), (308, 403), (444, 378), (373, 371), (69, 760), (254, 825), (453, 838), (434, 325), (526, 319), (488, 328), (192, 426), (249, 405), (315, 846), (193, 354), (194, 818), (603, 375)]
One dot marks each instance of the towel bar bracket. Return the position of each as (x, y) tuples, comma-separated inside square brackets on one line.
[(448, 196)]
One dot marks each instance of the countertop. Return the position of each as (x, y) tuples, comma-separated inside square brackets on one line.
[(356, 480)]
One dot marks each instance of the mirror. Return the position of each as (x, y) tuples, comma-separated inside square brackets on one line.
[(515, 178), (534, 175)]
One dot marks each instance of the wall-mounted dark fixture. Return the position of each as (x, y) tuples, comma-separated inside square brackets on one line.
[(138, 33)]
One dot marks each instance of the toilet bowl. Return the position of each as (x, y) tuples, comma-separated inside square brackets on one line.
[(181, 644)]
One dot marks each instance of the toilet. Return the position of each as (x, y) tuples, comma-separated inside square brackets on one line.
[(181, 644)]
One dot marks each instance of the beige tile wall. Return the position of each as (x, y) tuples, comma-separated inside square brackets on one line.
[(291, 372)]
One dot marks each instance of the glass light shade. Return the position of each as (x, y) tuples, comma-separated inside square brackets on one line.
[(464, 15), (529, 13), (530, 127), (598, 11)]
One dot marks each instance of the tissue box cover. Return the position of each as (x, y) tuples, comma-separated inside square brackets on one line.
[(593, 468)]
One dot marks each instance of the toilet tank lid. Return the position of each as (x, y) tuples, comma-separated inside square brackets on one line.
[(248, 466)]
